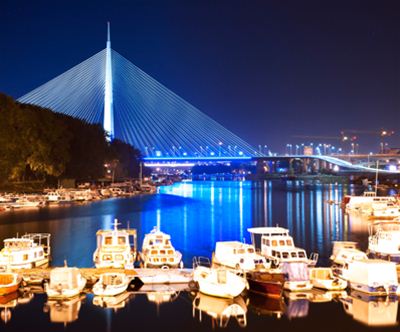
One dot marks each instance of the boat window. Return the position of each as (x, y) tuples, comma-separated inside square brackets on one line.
[(294, 255), (106, 257), (154, 252), (25, 258), (108, 240), (121, 240), (170, 252), (171, 259), (281, 242), (268, 243), (289, 243), (241, 251), (250, 250), (274, 243), (285, 255), (301, 254), (162, 252), (278, 254), (167, 242), (163, 259), (119, 257)]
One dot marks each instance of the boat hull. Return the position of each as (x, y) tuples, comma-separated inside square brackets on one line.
[(395, 258), (378, 291), (269, 284)]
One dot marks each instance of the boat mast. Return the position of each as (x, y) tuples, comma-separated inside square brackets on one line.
[(376, 178)]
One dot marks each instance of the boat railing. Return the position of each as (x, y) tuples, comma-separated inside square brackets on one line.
[(201, 261), (41, 239)]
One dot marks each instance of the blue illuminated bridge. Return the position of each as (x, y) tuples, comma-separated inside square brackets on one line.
[(132, 106), (135, 108)]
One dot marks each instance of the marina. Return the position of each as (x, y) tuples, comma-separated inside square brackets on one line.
[(168, 287)]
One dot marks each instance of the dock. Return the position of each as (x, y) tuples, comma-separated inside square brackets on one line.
[(146, 276)]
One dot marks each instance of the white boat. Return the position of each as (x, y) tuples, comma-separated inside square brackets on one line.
[(65, 283), (297, 276), (384, 240), (220, 310), (322, 277), (218, 282), (375, 312), (116, 248), (53, 197), (26, 202), (365, 201), (386, 210), (344, 252), (111, 284), (371, 276), (278, 246), (164, 276), (239, 256), (157, 251), (30, 250)]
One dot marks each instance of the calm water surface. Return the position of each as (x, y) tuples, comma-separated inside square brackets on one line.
[(197, 214)]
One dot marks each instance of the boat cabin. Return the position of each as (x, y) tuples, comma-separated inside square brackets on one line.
[(30, 250), (157, 250), (115, 248), (277, 244), (239, 255)]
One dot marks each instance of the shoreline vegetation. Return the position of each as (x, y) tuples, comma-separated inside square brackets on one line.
[(39, 147)]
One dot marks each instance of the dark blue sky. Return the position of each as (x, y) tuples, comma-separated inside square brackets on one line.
[(265, 70)]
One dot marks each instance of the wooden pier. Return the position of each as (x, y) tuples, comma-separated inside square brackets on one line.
[(147, 276)]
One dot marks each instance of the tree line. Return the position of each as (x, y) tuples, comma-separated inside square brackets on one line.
[(39, 144)]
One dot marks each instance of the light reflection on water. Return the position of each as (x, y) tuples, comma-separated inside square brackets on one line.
[(197, 215)]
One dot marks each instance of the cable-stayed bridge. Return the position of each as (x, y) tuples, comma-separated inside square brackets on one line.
[(132, 106)]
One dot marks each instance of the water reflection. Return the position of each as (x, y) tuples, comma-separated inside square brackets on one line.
[(377, 312), (220, 310), (63, 311)]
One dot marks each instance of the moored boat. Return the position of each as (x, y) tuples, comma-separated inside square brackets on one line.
[(111, 284), (30, 250), (65, 282), (116, 248), (157, 251), (218, 282), (278, 246), (266, 282), (9, 282), (371, 276), (322, 277), (384, 240)]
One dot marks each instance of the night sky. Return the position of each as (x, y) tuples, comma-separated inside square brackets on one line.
[(266, 70)]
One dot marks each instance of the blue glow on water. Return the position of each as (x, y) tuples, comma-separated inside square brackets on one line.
[(196, 214)]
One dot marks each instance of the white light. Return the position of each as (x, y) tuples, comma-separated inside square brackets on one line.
[(336, 168)]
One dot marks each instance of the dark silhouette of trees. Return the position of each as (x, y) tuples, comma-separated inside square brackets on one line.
[(36, 143)]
